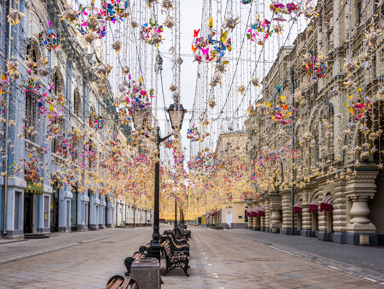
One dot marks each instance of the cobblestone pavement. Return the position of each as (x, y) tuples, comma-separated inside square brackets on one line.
[(219, 259)]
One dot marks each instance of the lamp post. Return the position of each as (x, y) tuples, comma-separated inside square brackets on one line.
[(140, 113), (175, 224)]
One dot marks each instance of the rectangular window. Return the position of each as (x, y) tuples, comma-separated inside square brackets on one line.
[(30, 115)]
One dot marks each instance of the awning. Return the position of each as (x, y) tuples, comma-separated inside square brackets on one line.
[(297, 209), (261, 211), (314, 206), (254, 211), (327, 204)]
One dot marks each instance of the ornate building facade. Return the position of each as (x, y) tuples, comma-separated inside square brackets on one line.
[(55, 206), (316, 133)]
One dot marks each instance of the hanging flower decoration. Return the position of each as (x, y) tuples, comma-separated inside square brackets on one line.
[(193, 134), (102, 69), (69, 13), (150, 3), (31, 170), (230, 22), (212, 102), (151, 33), (114, 10), (117, 46), (216, 79), (167, 5), (42, 149), (208, 48), (173, 88), (372, 37), (359, 105), (255, 81), (125, 70), (49, 38), (315, 66), (4, 84), (241, 88), (281, 111), (169, 143), (260, 31), (96, 121), (14, 16), (134, 23), (169, 22), (13, 69), (31, 83), (42, 67)]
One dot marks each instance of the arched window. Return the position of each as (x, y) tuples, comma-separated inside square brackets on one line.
[(78, 106), (31, 106)]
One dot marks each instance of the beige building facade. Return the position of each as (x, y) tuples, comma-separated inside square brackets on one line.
[(330, 154)]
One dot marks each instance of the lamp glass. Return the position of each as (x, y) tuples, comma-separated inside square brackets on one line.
[(138, 115), (176, 114)]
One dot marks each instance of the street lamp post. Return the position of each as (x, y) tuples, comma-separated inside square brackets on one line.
[(175, 224), (140, 114)]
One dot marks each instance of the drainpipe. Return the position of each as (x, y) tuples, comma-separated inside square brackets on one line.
[(292, 72), (7, 129)]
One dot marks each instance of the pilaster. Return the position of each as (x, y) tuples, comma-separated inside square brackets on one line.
[(359, 190), (339, 212)]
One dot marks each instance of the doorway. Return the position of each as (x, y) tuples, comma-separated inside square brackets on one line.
[(315, 224), (88, 210), (229, 218), (106, 215), (28, 213), (330, 225), (55, 208), (74, 211)]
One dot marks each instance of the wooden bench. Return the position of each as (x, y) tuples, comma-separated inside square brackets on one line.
[(129, 261), (175, 259), (178, 240), (176, 247), (120, 282)]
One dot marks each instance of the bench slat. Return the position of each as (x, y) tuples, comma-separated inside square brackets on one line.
[(117, 284), (125, 283)]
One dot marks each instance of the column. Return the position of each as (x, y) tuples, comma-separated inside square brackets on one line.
[(359, 190), (275, 205), (250, 222), (110, 215), (102, 213)]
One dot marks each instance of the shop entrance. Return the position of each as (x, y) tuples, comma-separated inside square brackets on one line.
[(28, 213), (74, 211), (55, 208)]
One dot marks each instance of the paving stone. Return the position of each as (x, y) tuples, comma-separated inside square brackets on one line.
[(88, 259)]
